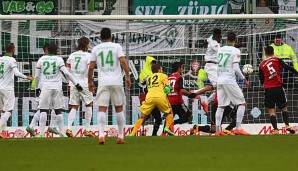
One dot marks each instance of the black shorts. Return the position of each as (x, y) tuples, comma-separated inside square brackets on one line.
[(276, 96), (181, 110), (229, 112)]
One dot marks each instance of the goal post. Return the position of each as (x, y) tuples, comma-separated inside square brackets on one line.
[(168, 38)]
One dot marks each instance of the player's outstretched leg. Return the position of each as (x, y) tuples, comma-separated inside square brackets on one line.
[(88, 116), (169, 121), (71, 117), (101, 119), (52, 128)]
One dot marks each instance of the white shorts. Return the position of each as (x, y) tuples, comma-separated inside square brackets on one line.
[(75, 96), (7, 100), (51, 99), (227, 93), (113, 92), (211, 70)]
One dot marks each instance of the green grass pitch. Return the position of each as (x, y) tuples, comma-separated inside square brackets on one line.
[(187, 153)]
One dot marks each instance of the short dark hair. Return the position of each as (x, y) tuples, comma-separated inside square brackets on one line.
[(53, 48), (278, 35), (269, 51), (45, 47), (216, 32), (83, 44), (155, 68), (9, 47), (231, 37), (176, 66), (105, 33)]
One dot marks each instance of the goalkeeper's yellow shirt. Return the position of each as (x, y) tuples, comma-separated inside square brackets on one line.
[(155, 84)]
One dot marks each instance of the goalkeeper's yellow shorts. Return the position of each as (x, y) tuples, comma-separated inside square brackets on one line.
[(161, 103)]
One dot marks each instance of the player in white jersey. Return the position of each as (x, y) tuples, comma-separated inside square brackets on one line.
[(48, 71), (8, 69), (78, 64), (211, 66), (227, 88), (108, 57), (51, 128)]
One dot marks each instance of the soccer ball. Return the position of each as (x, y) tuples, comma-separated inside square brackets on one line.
[(247, 69)]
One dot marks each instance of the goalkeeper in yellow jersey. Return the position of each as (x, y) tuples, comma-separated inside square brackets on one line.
[(157, 84)]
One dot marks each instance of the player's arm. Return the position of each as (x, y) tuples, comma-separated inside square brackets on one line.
[(284, 65), (64, 70), (293, 58), (37, 73), (183, 91), (237, 70), (126, 71), (17, 73), (261, 75)]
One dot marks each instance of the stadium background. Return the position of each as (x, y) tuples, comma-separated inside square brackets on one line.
[(167, 41)]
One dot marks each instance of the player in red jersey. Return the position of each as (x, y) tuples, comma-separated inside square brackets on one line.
[(270, 76), (175, 96)]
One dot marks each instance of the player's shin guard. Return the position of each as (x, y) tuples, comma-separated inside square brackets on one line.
[(240, 114), (71, 117), (273, 122), (101, 119), (169, 120), (120, 122), (137, 125), (53, 118), (88, 116), (218, 118), (42, 123), (35, 119), (4, 119), (60, 123), (285, 117)]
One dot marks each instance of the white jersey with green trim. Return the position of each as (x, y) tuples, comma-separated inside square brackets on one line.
[(50, 74), (7, 63), (227, 56), (79, 64), (107, 56)]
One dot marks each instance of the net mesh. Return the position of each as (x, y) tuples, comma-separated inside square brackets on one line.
[(167, 40)]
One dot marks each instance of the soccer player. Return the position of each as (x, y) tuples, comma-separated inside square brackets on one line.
[(108, 57), (8, 68), (157, 84), (78, 64), (211, 66), (270, 75), (227, 88), (48, 71), (143, 77), (51, 128), (229, 112), (175, 96)]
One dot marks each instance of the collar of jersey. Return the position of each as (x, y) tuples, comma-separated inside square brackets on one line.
[(50, 55), (104, 41), (229, 44)]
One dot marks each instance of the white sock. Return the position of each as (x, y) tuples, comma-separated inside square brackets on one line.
[(101, 119), (71, 117), (60, 123), (4, 119), (218, 118), (240, 114), (120, 122), (42, 123), (211, 98), (53, 118), (88, 116), (34, 119), (4, 128)]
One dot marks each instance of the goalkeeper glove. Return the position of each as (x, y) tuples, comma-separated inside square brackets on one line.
[(79, 87), (167, 90), (192, 95)]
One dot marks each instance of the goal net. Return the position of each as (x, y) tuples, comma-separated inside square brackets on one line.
[(169, 39)]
